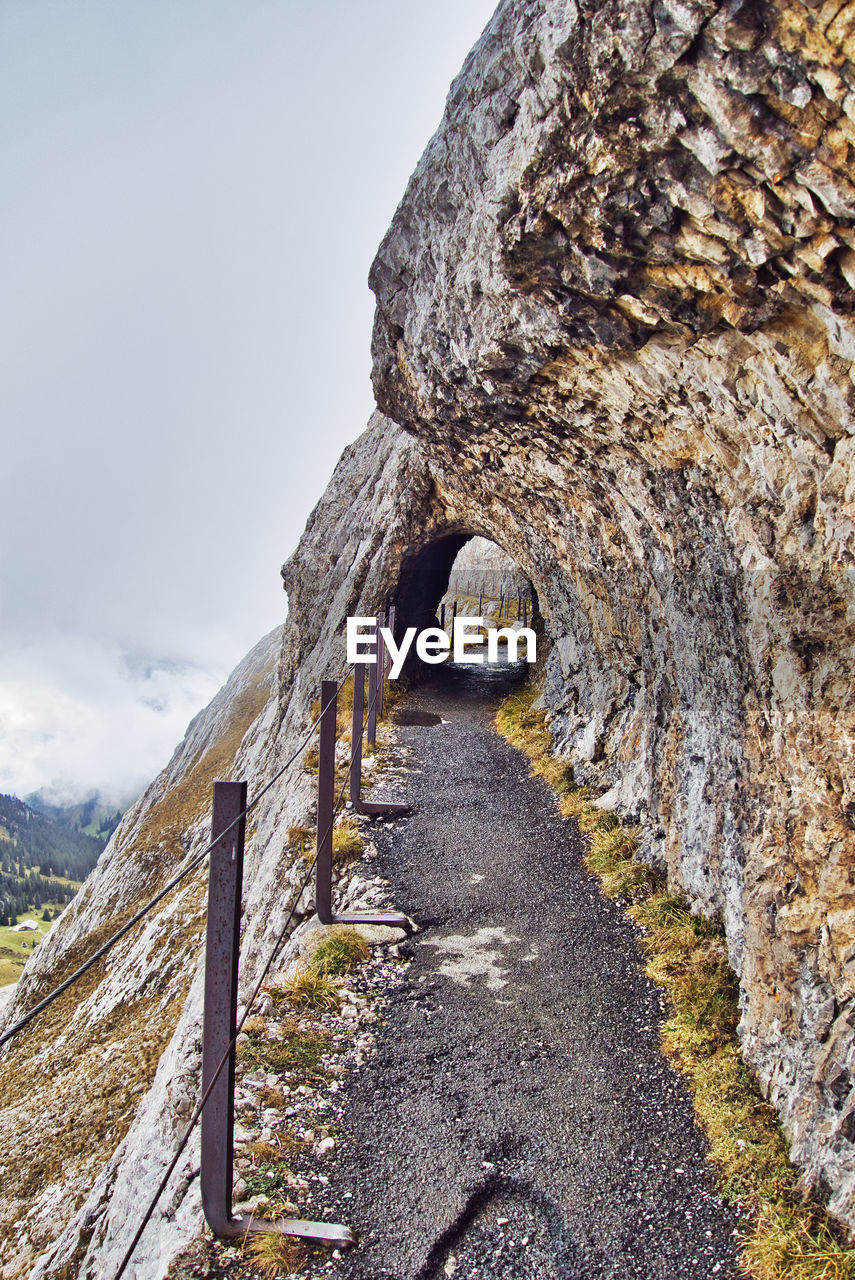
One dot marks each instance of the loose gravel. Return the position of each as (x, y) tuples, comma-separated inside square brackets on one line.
[(517, 1117)]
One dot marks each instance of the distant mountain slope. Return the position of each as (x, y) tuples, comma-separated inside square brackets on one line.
[(34, 849), (93, 816), (115, 1041)]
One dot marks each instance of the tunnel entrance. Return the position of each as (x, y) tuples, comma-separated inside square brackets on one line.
[(464, 575), (486, 582)]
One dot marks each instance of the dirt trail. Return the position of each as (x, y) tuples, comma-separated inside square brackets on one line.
[(518, 1119)]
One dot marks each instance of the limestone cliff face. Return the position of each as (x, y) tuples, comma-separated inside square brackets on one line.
[(615, 305), (614, 334)]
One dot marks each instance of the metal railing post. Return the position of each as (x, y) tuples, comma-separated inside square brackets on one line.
[(387, 666), (326, 817), (371, 727), (372, 807), (381, 664), (220, 1023), (387, 659), (356, 734), (326, 790), (220, 1018)]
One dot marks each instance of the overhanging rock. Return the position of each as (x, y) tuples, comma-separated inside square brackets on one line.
[(616, 307)]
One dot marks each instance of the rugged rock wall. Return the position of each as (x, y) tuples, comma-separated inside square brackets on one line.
[(615, 304), (614, 325)]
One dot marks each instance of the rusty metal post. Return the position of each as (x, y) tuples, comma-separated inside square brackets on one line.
[(387, 657), (454, 614), (442, 616), (391, 625), (356, 734), (326, 816), (219, 1026), (220, 1018), (374, 808), (371, 726), (381, 664), (326, 798)]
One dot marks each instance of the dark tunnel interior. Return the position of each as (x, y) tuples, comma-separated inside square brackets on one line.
[(422, 583)]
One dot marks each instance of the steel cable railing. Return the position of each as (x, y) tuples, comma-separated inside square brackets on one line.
[(195, 862), (200, 1106)]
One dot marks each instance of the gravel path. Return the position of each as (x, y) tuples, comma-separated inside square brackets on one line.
[(518, 1119)]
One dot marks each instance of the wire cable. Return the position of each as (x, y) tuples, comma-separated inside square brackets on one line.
[(191, 866), (194, 1119)]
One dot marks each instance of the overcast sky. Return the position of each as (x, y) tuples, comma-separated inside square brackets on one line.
[(193, 192)]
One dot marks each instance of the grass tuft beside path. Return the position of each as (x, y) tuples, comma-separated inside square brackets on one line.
[(788, 1235)]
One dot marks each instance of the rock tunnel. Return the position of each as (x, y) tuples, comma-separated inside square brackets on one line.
[(630, 366), (427, 575)]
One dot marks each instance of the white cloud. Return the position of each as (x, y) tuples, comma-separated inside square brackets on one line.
[(77, 716), (192, 198)]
